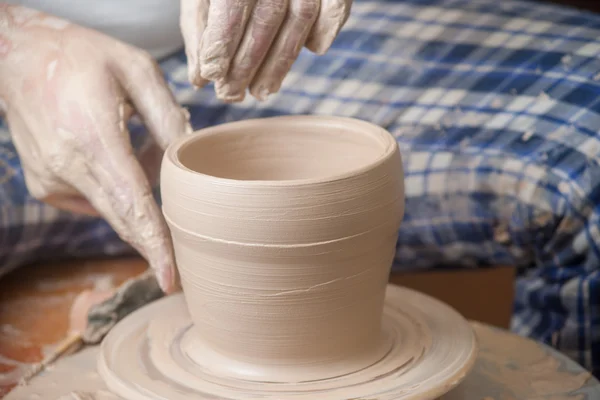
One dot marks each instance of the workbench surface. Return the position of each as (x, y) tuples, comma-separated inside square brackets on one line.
[(35, 303)]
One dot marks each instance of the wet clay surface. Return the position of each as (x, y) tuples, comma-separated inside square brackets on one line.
[(507, 368), (35, 303), (527, 370), (154, 355), (284, 231)]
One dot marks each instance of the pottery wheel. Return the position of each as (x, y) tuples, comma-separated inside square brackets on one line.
[(433, 348)]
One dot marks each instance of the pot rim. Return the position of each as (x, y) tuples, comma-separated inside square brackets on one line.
[(375, 133)]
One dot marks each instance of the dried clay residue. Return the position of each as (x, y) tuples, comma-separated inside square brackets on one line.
[(526, 370), (99, 395), (11, 371), (5, 46)]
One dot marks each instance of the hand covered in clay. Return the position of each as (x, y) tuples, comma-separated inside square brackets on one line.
[(67, 93), (252, 44)]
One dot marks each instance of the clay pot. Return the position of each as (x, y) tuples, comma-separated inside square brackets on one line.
[(284, 232)]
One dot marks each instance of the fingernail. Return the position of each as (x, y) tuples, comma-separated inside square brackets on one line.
[(232, 98), (321, 43), (229, 92), (188, 130), (199, 82), (165, 279), (192, 62), (261, 92), (163, 270), (319, 47)]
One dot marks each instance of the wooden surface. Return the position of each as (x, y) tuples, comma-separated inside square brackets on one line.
[(35, 302), (587, 5), (484, 295), (508, 367)]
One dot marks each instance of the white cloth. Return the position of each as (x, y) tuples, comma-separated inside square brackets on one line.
[(152, 25)]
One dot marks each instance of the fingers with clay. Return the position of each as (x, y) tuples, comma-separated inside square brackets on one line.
[(105, 170), (260, 32), (252, 44), (286, 47), (70, 126)]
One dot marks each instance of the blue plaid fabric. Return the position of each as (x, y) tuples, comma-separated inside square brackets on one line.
[(496, 107)]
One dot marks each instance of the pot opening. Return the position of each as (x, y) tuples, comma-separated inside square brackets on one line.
[(275, 151)]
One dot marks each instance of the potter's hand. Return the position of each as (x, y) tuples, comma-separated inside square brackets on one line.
[(253, 43), (65, 91)]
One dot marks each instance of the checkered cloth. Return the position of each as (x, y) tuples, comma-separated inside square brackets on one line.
[(496, 107)]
